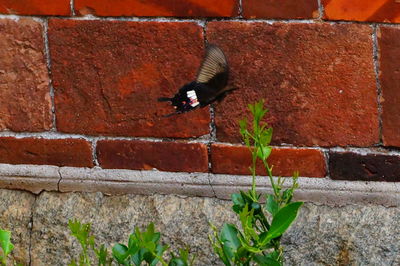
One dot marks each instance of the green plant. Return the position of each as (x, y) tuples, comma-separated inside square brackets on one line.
[(262, 224), (82, 232), (143, 247), (5, 245)]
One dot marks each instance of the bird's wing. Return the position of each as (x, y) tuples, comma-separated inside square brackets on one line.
[(214, 70)]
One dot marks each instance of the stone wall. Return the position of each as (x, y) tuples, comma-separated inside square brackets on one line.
[(322, 235)]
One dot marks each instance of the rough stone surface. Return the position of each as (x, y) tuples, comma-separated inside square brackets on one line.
[(181, 220), (61, 152), (285, 9), (108, 75), (35, 7), (322, 235), (371, 167), (389, 39), (164, 8), (236, 160), (164, 156), (15, 216), (349, 235), (317, 79), (366, 10), (24, 83)]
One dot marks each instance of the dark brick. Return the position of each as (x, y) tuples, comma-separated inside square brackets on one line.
[(370, 167), (236, 160), (24, 82), (317, 79), (146, 155), (165, 8), (389, 39), (108, 75), (61, 152), (36, 7), (282, 9), (365, 10)]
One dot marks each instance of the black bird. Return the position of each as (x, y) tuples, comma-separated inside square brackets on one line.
[(209, 86)]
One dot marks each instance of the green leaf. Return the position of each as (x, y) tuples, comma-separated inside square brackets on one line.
[(266, 136), (120, 252), (238, 202), (263, 152), (282, 220), (230, 240), (5, 242), (271, 205), (177, 262), (266, 260)]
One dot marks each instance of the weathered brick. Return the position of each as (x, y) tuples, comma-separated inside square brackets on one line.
[(61, 152), (236, 160), (317, 79), (165, 8), (36, 7), (146, 155), (24, 83), (389, 39), (370, 167), (283, 9), (108, 75), (365, 10)]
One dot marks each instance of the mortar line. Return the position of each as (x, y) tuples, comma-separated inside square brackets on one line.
[(327, 158), (48, 64), (321, 10), (240, 9), (198, 20), (72, 6), (94, 152), (375, 58)]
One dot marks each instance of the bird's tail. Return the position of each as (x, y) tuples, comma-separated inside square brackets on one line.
[(164, 99)]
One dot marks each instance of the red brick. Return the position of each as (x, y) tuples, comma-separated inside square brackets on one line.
[(61, 152), (389, 39), (283, 9), (146, 155), (24, 82), (108, 75), (317, 79), (165, 8), (369, 167), (36, 7), (236, 160), (362, 10)]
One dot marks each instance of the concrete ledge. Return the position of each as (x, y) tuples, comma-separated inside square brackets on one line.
[(109, 181)]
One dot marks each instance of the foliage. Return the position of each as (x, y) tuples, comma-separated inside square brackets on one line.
[(5, 246), (143, 247), (258, 241)]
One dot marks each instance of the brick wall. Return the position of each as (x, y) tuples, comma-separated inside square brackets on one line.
[(79, 81)]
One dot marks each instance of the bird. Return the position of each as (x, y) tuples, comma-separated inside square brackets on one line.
[(211, 84)]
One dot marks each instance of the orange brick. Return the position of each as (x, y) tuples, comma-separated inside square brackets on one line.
[(165, 8), (362, 10), (146, 155), (36, 7), (61, 152), (236, 160)]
